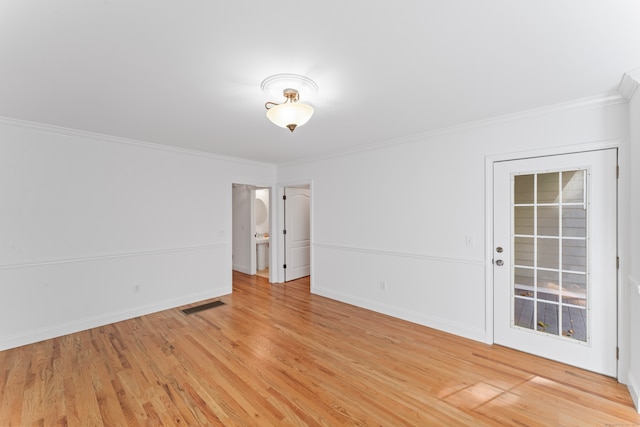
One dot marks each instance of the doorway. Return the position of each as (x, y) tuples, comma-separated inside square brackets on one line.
[(251, 219), (555, 257), (262, 234)]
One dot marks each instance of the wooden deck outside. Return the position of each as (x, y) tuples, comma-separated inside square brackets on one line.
[(574, 321), (275, 355)]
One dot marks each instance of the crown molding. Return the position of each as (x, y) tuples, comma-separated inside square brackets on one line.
[(629, 83), (75, 133), (602, 100)]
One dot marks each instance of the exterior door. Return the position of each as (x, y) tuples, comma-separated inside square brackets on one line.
[(297, 237), (555, 258)]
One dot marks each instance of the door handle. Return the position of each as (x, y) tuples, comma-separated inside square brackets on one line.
[(499, 263)]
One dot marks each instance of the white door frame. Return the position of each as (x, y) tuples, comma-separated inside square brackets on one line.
[(489, 161)]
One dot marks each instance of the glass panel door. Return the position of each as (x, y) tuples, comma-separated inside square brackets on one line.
[(554, 257)]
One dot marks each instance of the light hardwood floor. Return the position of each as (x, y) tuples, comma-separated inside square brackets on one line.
[(276, 355)]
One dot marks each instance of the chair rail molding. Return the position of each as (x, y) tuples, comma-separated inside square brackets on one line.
[(40, 262), (478, 262)]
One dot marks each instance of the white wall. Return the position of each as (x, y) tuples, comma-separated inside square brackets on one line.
[(96, 229), (403, 214), (633, 270)]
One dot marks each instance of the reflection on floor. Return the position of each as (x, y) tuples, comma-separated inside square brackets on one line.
[(263, 273)]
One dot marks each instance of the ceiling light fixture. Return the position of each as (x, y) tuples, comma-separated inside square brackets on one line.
[(291, 113)]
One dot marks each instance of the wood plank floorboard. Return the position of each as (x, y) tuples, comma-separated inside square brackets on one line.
[(276, 355)]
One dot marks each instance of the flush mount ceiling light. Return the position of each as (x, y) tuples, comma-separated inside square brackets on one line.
[(291, 113)]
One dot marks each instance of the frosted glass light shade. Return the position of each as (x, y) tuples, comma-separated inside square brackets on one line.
[(290, 114)]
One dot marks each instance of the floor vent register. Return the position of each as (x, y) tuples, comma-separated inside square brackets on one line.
[(199, 308)]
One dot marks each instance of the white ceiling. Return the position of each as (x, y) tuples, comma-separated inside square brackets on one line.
[(187, 73)]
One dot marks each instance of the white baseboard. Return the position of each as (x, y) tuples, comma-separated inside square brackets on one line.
[(58, 330), (634, 390), (410, 316), (242, 269)]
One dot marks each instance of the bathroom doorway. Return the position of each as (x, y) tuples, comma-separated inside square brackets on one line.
[(251, 229), (262, 235)]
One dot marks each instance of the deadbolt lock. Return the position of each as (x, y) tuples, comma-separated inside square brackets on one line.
[(499, 249)]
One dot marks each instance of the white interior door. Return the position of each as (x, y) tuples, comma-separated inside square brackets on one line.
[(555, 258), (297, 236)]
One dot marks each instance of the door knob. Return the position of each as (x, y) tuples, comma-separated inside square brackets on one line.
[(499, 263)]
